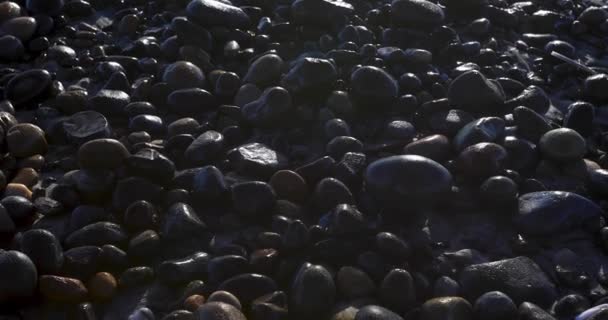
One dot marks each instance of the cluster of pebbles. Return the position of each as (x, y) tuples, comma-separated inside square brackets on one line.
[(306, 159)]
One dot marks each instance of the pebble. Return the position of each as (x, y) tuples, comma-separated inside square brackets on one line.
[(110, 103), (9, 10), (353, 283), (376, 312), (12, 49), (495, 305), (530, 125), (190, 101), (248, 286), (205, 148), (520, 278), (98, 233), (225, 297), (455, 308), (488, 98), (482, 160), (181, 222), (487, 129), (416, 13), (313, 290), (256, 159), (436, 147), (270, 109), (193, 302), (102, 154), (212, 12), (44, 249), (289, 185), (28, 86), (200, 151), (397, 290), (19, 190), (530, 311), (62, 289), (310, 76), (372, 85), (102, 286), (184, 74), (21, 27), (563, 145), (180, 271), (532, 97), (264, 71), (85, 126), (253, 198), (19, 276), (321, 13), (25, 140), (219, 311), (394, 178), (551, 212)]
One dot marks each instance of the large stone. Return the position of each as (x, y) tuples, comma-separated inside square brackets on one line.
[(552, 212), (256, 159), (416, 13), (472, 91), (321, 12), (520, 278), (313, 291), (220, 13), (18, 276), (393, 179)]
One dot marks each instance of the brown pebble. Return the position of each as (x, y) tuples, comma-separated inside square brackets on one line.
[(35, 162), (225, 297), (289, 185), (26, 139), (62, 289), (102, 154), (26, 176), (17, 189), (102, 286), (193, 302)]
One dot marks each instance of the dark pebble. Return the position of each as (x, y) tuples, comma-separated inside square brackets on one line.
[(44, 249), (19, 276)]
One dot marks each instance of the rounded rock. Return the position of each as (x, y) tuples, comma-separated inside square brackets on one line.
[(184, 74), (313, 291), (26, 140), (102, 154), (9, 10), (218, 311), (416, 13), (563, 145), (102, 286), (18, 276), (409, 176), (373, 85), (495, 305), (453, 308), (44, 249)]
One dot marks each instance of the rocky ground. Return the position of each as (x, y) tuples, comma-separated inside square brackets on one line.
[(307, 159)]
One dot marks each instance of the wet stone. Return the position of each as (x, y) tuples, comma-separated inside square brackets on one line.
[(416, 12), (85, 126), (394, 178), (212, 12), (28, 86), (256, 159), (520, 278), (19, 276)]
